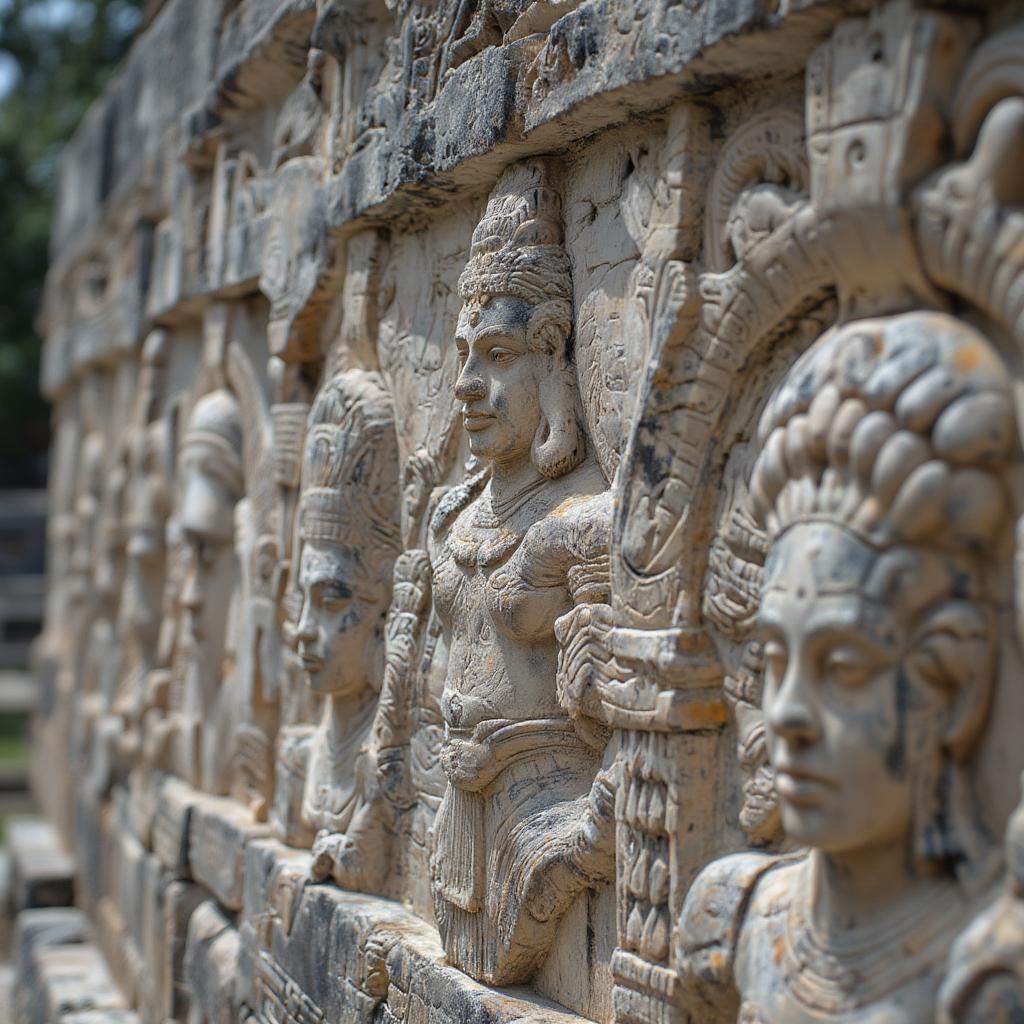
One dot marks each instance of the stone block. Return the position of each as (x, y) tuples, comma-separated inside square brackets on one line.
[(42, 872), (166, 953), (220, 829), (211, 964), (172, 820)]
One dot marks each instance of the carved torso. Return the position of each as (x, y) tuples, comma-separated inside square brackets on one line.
[(500, 585), (332, 775), (747, 946)]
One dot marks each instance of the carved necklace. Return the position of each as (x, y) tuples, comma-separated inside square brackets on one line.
[(841, 976), (513, 503), (486, 538)]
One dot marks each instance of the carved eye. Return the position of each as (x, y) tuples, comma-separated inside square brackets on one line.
[(206, 554), (503, 356), (847, 666), (334, 598)]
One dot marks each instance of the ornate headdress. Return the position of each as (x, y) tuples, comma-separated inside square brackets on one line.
[(350, 468), (216, 425), (898, 428), (517, 246), (901, 431)]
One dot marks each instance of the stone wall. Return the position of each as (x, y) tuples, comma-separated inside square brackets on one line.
[(533, 515)]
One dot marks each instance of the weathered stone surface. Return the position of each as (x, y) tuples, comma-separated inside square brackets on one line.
[(42, 872), (535, 517), (58, 972)]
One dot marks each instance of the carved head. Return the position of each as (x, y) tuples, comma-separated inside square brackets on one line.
[(147, 507), (350, 533), (881, 485), (516, 382), (210, 470)]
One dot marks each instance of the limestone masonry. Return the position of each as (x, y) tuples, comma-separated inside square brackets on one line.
[(536, 519)]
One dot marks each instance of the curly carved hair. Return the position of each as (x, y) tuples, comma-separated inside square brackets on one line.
[(902, 431), (899, 429)]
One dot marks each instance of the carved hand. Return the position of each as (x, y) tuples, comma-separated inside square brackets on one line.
[(585, 666)]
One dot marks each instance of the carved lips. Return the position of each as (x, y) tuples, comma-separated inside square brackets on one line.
[(800, 786), (474, 421)]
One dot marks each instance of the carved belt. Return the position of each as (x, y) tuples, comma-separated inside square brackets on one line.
[(472, 761)]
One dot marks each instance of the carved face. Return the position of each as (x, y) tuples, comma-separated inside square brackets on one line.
[(335, 636), (846, 714), (143, 583), (498, 384), (206, 519)]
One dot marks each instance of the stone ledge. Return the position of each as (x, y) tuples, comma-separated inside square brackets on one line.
[(315, 952), (42, 874), (59, 974), (219, 832), (203, 838)]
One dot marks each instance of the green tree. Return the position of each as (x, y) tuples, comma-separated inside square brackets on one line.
[(56, 56)]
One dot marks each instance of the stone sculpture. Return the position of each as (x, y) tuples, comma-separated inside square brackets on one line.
[(348, 525), (882, 486), (536, 516), (516, 547), (211, 485)]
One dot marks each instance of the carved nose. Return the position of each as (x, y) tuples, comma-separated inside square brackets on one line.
[(192, 592), (791, 715), (306, 630), (469, 386)]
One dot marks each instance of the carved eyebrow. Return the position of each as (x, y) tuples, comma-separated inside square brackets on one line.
[(497, 329)]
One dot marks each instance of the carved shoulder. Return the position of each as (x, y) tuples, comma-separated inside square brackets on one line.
[(985, 972), (709, 930), (577, 531)]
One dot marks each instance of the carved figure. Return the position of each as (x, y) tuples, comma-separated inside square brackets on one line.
[(210, 470), (522, 827), (117, 732), (735, 570), (348, 525), (882, 486)]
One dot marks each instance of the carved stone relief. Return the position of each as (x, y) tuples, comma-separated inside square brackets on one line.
[(516, 547), (535, 516)]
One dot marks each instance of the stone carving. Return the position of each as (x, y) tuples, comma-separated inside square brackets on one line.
[(348, 525), (880, 610), (536, 517), (211, 482), (984, 978), (249, 699), (516, 547), (146, 506), (885, 514)]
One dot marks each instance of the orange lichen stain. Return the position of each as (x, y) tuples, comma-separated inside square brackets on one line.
[(968, 357), (706, 714), (567, 506), (779, 949), (717, 960)]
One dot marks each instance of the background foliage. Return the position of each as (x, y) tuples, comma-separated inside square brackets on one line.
[(56, 56)]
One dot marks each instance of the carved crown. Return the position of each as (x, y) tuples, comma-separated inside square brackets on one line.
[(517, 246)]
